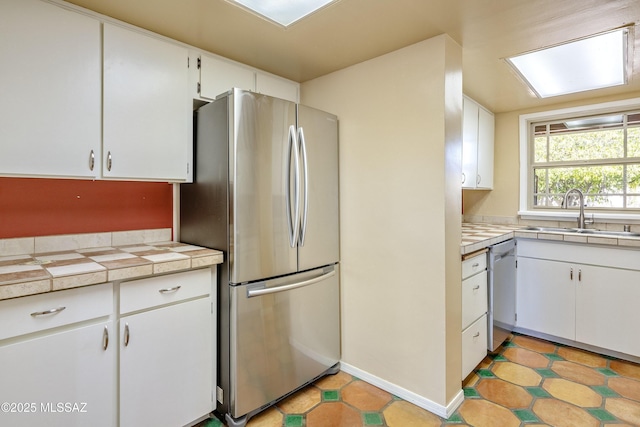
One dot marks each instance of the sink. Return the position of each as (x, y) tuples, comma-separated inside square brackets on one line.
[(582, 231)]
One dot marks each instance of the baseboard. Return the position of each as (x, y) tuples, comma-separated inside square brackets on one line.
[(409, 396)]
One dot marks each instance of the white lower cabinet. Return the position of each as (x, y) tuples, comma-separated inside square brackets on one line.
[(61, 376), (574, 299), (474, 311), (166, 352)]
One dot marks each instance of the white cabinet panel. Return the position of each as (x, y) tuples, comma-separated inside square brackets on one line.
[(50, 86), (70, 367), (474, 345), (546, 300), (166, 365), (478, 130), (147, 110), (277, 87), (474, 298), (219, 76)]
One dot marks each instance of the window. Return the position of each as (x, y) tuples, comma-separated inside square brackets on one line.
[(594, 149)]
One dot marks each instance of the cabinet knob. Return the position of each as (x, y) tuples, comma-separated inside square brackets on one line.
[(571, 274), (92, 160), (109, 161)]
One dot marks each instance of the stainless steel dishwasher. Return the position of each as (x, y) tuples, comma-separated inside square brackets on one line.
[(502, 292)]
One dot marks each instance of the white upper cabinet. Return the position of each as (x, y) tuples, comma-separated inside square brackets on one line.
[(277, 86), (219, 76), (50, 90), (146, 107), (478, 130)]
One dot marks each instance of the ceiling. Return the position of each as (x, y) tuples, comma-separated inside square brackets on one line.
[(351, 31)]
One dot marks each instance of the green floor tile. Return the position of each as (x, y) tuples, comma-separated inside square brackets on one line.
[(294, 421), (602, 414), (508, 344), (211, 422), (605, 391), (526, 416), (607, 372), (330, 395), (553, 356), (454, 419), (500, 358), (547, 373), (372, 419), (485, 373), (538, 392), (470, 392)]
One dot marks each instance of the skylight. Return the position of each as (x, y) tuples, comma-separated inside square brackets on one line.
[(590, 63), (283, 12)]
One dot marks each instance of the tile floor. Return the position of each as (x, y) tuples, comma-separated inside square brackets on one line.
[(527, 383)]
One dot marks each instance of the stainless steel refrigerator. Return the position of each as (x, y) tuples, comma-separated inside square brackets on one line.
[(265, 192)]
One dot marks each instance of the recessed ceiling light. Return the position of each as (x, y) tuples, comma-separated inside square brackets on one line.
[(283, 12), (590, 63)]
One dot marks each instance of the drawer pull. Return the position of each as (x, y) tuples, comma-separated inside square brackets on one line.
[(170, 290), (476, 288), (475, 265), (46, 312), (126, 334), (477, 334), (105, 338)]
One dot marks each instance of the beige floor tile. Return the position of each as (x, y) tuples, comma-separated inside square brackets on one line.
[(334, 414), (627, 410), (526, 357), (627, 369), (561, 414), (504, 393), (583, 357), (517, 374), (404, 414), (578, 373), (334, 382), (482, 413), (626, 387), (364, 396), (269, 418), (534, 344), (578, 394), (471, 380), (301, 401)]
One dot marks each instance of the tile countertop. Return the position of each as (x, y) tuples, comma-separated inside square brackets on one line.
[(477, 236), (22, 275)]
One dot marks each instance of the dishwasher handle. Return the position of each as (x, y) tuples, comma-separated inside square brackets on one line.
[(265, 291)]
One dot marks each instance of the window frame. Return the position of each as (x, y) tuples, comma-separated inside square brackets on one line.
[(526, 209)]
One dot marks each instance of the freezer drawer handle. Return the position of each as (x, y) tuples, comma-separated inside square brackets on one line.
[(260, 292), (46, 312), (169, 290)]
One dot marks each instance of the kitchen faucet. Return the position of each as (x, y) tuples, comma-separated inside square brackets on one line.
[(581, 221)]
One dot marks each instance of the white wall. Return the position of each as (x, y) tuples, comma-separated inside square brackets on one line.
[(400, 204)]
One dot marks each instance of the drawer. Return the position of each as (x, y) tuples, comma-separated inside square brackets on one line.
[(474, 298), (474, 345), (45, 311), (474, 265), (154, 291)]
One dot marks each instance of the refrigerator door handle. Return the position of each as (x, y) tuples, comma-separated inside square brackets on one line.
[(305, 176), (294, 222), (266, 291)]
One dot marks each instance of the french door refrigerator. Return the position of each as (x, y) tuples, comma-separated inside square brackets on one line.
[(265, 192)]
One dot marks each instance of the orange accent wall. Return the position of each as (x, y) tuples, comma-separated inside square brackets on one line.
[(43, 207)]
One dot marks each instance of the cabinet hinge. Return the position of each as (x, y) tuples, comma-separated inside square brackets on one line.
[(198, 87), (199, 63)]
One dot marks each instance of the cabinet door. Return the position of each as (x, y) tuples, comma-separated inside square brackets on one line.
[(50, 90), (277, 87), (469, 143), (607, 314), (486, 129), (166, 365), (545, 297), (219, 76), (147, 110), (66, 379)]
